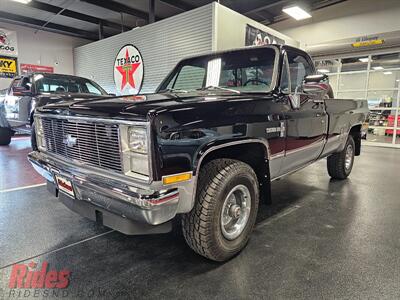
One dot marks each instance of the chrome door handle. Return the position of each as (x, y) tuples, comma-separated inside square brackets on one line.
[(318, 101)]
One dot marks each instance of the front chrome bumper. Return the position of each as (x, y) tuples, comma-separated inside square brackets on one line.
[(109, 192)]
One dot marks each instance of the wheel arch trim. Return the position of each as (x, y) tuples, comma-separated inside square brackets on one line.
[(210, 148), (198, 163)]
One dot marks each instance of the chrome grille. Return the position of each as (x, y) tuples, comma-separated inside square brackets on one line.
[(96, 144)]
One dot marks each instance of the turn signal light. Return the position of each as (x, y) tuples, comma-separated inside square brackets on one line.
[(177, 178)]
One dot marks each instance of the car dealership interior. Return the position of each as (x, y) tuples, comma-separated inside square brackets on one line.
[(207, 149)]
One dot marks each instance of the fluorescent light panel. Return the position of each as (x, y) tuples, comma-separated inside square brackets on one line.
[(296, 12), (378, 68), (387, 73), (23, 1), (323, 70)]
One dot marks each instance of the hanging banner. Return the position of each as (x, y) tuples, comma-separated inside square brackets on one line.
[(258, 37), (8, 67), (8, 42), (28, 68)]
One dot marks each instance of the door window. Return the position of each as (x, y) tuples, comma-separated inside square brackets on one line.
[(299, 67), (15, 83), (285, 81), (26, 83)]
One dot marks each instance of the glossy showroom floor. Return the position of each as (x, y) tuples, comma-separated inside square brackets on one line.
[(319, 239)]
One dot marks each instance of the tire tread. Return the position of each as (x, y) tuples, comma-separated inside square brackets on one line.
[(196, 225), (336, 162)]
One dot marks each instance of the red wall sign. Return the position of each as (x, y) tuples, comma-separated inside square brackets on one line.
[(27, 68)]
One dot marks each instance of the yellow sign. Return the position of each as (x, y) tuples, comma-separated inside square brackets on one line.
[(8, 67), (368, 43)]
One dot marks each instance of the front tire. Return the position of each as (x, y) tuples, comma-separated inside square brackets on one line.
[(5, 136), (220, 224), (340, 164)]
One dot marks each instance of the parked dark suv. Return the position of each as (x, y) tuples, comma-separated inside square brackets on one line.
[(37, 89)]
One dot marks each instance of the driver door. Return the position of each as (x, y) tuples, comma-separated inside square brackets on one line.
[(305, 115)]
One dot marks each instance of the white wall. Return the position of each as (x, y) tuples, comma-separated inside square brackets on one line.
[(352, 18), (230, 29), (162, 44), (43, 48)]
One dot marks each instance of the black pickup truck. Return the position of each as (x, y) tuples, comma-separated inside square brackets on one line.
[(203, 149)]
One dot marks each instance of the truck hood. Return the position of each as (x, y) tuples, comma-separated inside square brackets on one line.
[(44, 99), (142, 107)]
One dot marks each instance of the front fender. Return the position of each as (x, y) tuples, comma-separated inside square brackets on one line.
[(228, 144)]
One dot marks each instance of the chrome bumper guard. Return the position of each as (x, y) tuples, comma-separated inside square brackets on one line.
[(151, 204)]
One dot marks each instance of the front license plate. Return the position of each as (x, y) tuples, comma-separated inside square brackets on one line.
[(65, 185)]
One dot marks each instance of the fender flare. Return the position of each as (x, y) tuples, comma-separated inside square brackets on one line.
[(220, 144)]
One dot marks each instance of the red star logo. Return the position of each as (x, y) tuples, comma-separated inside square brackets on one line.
[(127, 71)]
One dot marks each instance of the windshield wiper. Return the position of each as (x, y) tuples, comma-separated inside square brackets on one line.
[(173, 91), (211, 87)]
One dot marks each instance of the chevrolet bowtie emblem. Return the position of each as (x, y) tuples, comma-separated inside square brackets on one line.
[(70, 140)]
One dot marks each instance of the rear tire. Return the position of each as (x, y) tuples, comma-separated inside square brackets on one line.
[(220, 224), (5, 136), (340, 164)]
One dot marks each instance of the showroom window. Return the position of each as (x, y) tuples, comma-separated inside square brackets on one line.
[(375, 77)]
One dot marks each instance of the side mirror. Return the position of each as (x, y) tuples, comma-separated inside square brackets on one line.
[(316, 84), (318, 78), (21, 91)]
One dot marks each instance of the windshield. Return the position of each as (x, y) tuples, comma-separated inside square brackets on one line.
[(64, 84), (251, 70)]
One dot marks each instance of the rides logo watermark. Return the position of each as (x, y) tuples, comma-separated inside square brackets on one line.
[(27, 280), (35, 280), (29, 277)]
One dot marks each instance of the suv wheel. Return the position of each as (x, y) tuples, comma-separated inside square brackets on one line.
[(220, 224), (5, 136), (340, 164)]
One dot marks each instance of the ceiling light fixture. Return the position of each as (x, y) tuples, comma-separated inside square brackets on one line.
[(387, 73), (378, 68), (364, 59), (323, 71), (296, 12), (23, 1)]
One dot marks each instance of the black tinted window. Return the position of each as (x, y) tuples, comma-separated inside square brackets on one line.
[(252, 70), (54, 84)]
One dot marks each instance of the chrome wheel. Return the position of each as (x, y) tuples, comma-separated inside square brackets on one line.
[(235, 212), (348, 161)]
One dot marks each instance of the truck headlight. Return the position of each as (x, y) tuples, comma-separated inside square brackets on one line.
[(40, 140), (137, 139), (134, 144)]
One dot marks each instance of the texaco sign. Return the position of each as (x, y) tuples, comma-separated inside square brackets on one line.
[(128, 71)]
